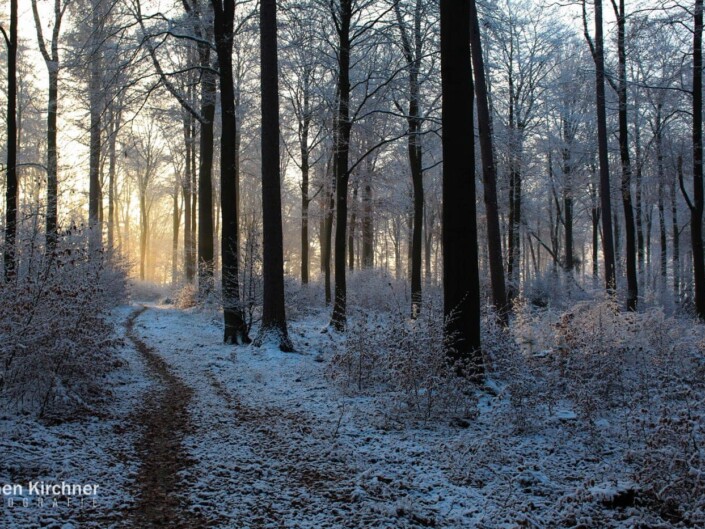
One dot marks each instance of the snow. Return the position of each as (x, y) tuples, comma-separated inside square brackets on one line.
[(274, 443), (91, 450)]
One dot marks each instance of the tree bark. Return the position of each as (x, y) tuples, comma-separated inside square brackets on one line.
[(696, 209), (676, 232), (412, 54), (630, 250), (11, 189), (189, 199), (273, 309), (461, 284), (305, 170), (605, 197), (234, 326), (96, 111), (341, 155), (206, 264), (368, 256), (52, 63), (489, 168)]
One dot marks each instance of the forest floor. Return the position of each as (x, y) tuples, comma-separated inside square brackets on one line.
[(200, 434)]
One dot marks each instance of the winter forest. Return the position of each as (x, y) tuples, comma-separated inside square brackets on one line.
[(352, 263)]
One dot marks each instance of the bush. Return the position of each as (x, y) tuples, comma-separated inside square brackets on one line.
[(56, 338), (403, 360)]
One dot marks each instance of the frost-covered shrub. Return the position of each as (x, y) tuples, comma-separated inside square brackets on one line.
[(670, 465), (632, 381), (377, 290), (302, 300), (56, 340), (187, 296), (513, 364), (404, 360)]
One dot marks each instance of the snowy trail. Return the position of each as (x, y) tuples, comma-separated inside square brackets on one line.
[(164, 422), (265, 438), (255, 465)]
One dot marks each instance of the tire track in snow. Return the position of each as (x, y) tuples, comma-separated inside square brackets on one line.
[(164, 421)]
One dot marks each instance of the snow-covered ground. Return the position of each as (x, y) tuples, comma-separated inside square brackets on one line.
[(87, 450), (272, 442)]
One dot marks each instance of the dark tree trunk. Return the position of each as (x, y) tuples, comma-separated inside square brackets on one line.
[(413, 50), (144, 232), (484, 118), (305, 169), (696, 204), (368, 260), (351, 231), (206, 263), (428, 243), (189, 200), (661, 198), (115, 116), (273, 307), (630, 250), (234, 328), (676, 232), (327, 246), (605, 198), (52, 63), (696, 209), (461, 284), (639, 191), (52, 164), (342, 151), (568, 196), (176, 222), (11, 189), (96, 112)]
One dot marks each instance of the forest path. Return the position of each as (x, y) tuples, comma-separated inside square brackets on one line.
[(264, 446), (163, 420)]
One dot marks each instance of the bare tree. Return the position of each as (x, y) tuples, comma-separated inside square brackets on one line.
[(11, 189), (461, 283), (50, 53), (273, 307)]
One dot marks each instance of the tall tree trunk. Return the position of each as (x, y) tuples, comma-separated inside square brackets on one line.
[(96, 112), (273, 308), (351, 231), (661, 199), (413, 49), (206, 264), (676, 232), (11, 188), (176, 223), (568, 196), (115, 116), (639, 189), (189, 199), (428, 243), (605, 197), (489, 169), (327, 247), (696, 207), (305, 169), (144, 225), (234, 326), (368, 259), (630, 250), (52, 163), (51, 59), (461, 283), (342, 175)]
